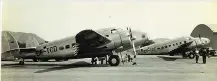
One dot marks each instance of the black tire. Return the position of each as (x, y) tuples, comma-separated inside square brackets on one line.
[(116, 57), (191, 56), (184, 55), (35, 60), (212, 54)]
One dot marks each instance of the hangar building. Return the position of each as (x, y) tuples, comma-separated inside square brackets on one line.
[(208, 31)]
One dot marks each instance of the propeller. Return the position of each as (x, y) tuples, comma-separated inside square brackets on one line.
[(197, 46), (200, 39), (132, 42)]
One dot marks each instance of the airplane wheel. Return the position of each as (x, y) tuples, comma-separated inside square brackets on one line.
[(184, 55), (21, 63), (191, 56), (212, 54), (113, 58), (35, 60)]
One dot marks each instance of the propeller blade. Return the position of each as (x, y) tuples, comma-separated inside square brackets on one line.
[(132, 42), (201, 39)]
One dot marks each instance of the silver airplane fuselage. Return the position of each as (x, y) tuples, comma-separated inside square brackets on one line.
[(171, 45), (71, 47)]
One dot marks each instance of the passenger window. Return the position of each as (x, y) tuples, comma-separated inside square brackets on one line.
[(169, 45), (158, 48), (185, 42), (73, 44), (165, 46), (67, 46), (180, 42), (162, 47), (61, 48), (176, 43), (173, 44)]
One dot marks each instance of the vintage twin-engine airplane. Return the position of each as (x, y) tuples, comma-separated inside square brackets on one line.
[(86, 44), (174, 46)]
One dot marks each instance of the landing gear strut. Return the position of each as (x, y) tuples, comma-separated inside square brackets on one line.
[(35, 60), (21, 61), (191, 55), (94, 60), (113, 58)]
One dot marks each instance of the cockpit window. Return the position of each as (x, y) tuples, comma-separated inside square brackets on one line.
[(107, 35), (114, 30), (189, 38)]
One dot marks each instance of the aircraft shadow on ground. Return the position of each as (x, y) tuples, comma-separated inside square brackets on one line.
[(54, 67), (168, 58), (74, 65)]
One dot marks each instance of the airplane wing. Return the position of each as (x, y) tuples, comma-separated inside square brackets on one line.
[(91, 38), (181, 48)]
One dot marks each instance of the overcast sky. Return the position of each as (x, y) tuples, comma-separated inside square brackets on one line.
[(54, 19)]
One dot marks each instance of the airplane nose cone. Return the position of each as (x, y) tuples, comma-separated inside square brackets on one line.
[(206, 41)]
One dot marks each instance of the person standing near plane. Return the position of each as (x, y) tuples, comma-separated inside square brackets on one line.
[(208, 52), (197, 54), (94, 60), (126, 58), (204, 54)]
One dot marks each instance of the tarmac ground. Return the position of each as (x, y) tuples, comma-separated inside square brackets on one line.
[(148, 68)]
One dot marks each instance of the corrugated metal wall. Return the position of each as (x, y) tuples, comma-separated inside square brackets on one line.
[(205, 31)]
